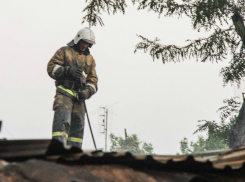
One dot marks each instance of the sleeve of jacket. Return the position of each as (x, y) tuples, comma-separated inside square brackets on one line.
[(55, 62), (92, 78)]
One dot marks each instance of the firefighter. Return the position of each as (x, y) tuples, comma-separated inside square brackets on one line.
[(69, 115)]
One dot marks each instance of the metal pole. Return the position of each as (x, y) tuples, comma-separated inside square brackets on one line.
[(81, 85), (89, 125), (126, 136), (106, 130)]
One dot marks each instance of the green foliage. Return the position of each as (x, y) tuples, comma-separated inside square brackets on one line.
[(132, 144), (218, 134), (209, 15), (184, 148), (213, 48), (95, 7), (236, 70), (203, 13)]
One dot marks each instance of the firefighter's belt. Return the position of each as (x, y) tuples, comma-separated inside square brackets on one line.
[(67, 92), (68, 84)]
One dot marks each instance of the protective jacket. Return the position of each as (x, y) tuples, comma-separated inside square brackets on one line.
[(68, 122), (67, 56)]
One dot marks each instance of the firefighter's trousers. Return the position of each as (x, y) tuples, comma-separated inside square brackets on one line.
[(68, 123)]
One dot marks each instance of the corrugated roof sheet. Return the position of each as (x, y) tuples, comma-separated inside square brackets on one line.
[(210, 166)]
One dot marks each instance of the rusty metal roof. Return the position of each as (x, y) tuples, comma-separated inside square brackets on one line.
[(23, 149), (209, 166)]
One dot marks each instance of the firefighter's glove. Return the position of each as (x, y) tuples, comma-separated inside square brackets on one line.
[(73, 72), (86, 93)]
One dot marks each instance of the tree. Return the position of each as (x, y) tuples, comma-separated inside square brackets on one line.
[(131, 144), (237, 135), (225, 18), (218, 134)]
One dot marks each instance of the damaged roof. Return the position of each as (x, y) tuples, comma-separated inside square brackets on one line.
[(39, 155)]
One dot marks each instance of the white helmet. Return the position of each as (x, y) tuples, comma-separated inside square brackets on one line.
[(85, 34)]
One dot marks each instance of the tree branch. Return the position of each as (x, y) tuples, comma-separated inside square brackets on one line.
[(236, 70), (213, 48), (203, 13), (95, 7)]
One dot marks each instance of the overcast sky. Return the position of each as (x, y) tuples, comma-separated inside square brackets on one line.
[(161, 103)]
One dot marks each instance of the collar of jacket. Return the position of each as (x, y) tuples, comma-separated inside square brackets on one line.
[(86, 52)]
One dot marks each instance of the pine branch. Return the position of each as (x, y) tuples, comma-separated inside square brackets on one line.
[(207, 126), (236, 70), (230, 109), (212, 48), (203, 13), (95, 7)]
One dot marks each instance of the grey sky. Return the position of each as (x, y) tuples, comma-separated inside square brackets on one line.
[(160, 102)]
